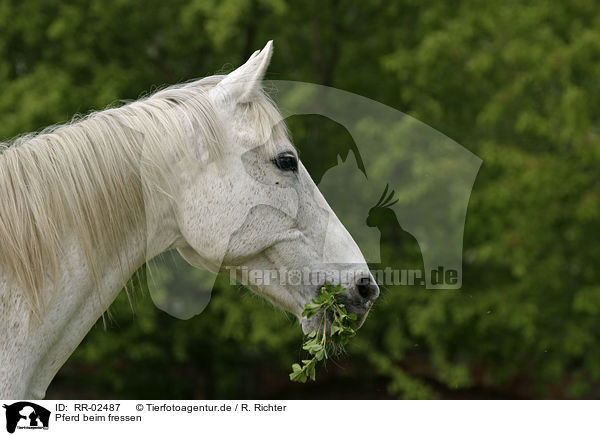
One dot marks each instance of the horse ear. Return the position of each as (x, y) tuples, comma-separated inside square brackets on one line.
[(240, 85)]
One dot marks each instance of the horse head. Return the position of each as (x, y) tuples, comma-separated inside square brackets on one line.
[(255, 210)]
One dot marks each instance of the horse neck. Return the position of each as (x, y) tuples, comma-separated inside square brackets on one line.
[(36, 346)]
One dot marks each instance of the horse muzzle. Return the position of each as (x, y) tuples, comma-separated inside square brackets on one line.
[(358, 300)]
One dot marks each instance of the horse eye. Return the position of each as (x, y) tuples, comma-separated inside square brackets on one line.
[(286, 162)]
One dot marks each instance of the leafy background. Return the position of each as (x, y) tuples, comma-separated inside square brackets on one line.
[(515, 82)]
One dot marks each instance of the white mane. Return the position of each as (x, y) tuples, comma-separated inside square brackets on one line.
[(85, 177)]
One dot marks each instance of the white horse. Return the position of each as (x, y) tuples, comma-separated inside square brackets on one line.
[(205, 167)]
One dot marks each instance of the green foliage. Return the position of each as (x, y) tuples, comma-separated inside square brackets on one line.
[(315, 343)]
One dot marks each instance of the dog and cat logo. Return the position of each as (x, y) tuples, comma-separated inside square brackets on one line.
[(26, 415)]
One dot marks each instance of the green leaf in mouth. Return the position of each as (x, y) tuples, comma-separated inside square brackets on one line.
[(316, 342)]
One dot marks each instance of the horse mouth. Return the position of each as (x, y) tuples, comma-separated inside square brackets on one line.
[(360, 309), (316, 322)]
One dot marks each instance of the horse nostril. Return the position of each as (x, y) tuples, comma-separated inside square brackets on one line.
[(366, 288)]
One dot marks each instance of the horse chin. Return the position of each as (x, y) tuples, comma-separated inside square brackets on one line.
[(316, 322)]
